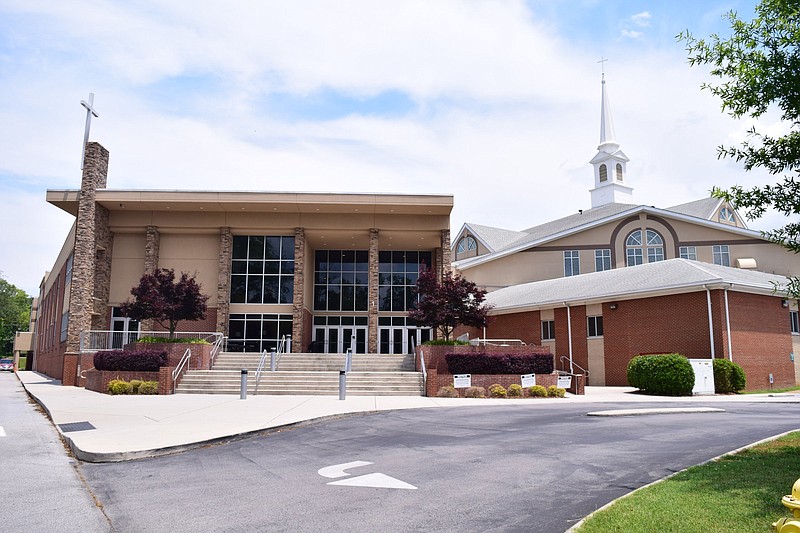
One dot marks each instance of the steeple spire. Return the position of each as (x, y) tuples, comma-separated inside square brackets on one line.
[(610, 179)]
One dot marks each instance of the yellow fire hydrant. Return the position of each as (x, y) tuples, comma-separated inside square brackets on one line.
[(792, 501)]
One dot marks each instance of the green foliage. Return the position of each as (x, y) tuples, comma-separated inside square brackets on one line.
[(148, 387), (497, 391), (728, 377), (15, 312), (474, 392), (556, 392), (537, 391), (759, 69), (118, 386), (446, 304), (135, 384), (448, 391), (664, 375), (515, 390), (444, 342)]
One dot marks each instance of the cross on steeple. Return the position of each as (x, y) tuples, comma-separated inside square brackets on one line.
[(89, 113), (602, 67)]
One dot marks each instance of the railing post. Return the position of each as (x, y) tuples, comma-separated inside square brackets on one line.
[(272, 364), (348, 360), (353, 343), (288, 348), (243, 391)]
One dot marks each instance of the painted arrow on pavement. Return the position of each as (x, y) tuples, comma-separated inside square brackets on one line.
[(376, 480)]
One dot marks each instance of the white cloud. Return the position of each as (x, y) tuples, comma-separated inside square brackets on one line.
[(641, 19)]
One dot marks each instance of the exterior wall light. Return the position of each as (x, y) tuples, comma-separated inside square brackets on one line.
[(785, 303), (612, 306)]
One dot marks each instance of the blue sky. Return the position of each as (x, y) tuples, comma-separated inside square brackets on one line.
[(496, 102)]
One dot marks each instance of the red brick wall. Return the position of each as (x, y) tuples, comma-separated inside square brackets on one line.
[(523, 326), (761, 339), (580, 350), (97, 380), (208, 324)]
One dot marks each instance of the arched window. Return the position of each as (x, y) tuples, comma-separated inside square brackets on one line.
[(467, 244), (603, 173), (635, 247), (726, 215), (619, 171)]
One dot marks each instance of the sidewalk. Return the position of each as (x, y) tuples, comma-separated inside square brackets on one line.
[(129, 427)]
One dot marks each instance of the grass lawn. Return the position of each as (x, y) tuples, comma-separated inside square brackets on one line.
[(768, 391), (22, 361), (738, 493)]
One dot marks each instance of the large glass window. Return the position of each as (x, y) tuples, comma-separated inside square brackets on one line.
[(636, 246), (397, 278), (341, 280), (262, 270), (722, 255), (572, 263), (602, 260), (256, 332)]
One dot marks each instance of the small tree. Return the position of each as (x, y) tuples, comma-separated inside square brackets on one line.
[(445, 305), (159, 297)]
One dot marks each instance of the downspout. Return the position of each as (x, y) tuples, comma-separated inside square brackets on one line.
[(728, 324), (710, 322), (569, 338)]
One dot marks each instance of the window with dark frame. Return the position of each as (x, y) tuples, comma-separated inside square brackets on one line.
[(548, 330), (595, 326)]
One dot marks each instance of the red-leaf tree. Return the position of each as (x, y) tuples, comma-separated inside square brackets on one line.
[(160, 298), (445, 305)]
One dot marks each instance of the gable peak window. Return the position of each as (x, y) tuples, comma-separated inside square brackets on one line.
[(726, 215), (467, 244)]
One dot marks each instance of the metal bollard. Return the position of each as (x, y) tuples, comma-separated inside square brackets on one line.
[(243, 391), (342, 384), (272, 363)]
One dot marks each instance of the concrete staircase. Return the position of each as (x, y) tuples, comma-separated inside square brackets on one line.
[(308, 373)]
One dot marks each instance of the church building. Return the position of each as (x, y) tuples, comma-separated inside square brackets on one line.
[(621, 279)]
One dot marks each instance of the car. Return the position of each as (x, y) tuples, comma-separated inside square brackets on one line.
[(6, 365)]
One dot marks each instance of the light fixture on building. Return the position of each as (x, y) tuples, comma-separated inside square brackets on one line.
[(785, 303), (612, 305)]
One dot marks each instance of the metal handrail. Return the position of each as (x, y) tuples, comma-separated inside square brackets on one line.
[(565, 358), (261, 363), (424, 371), (493, 342), (187, 355)]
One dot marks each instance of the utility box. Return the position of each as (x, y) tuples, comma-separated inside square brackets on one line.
[(703, 376)]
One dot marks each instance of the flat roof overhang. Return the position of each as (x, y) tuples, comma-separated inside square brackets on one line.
[(259, 202)]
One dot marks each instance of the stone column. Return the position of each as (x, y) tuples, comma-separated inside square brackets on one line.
[(151, 249), (447, 253), (82, 288), (372, 299), (104, 240), (298, 300), (224, 279)]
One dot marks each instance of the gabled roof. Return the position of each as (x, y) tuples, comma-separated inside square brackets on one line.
[(587, 219), (493, 238), (705, 208), (650, 279)]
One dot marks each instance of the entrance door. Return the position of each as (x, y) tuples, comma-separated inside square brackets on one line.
[(400, 339), (338, 339), (123, 331)]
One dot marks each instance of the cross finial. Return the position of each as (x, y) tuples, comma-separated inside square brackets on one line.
[(89, 113), (602, 67)]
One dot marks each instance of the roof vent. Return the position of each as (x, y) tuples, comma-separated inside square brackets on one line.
[(746, 262)]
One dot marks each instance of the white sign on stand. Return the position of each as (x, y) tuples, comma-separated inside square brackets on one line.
[(564, 382), (703, 376), (462, 381), (528, 380)]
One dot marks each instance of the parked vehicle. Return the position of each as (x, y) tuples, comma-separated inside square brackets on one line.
[(6, 365)]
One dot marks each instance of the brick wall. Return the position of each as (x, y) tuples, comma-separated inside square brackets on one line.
[(580, 349), (97, 380), (523, 326)]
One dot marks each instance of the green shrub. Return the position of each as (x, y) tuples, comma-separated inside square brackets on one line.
[(515, 390), (442, 342), (555, 392), (448, 391), (135, 383), (148, 387), (497, 391), (474, 392), (728, 377), (537, 391), (117, 386), (665, 375)]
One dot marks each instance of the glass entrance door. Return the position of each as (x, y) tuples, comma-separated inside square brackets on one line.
[(338, 339), (401, 339), (123, 330)]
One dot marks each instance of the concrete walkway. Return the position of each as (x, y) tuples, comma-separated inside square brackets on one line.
[(103, 428)]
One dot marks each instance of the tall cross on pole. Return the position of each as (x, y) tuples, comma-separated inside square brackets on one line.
[(602, 67), (89, 112)]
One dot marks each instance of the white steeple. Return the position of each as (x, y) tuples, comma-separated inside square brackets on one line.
[(610, 175)]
